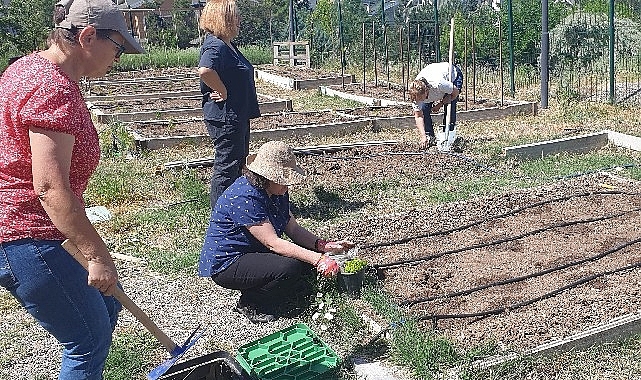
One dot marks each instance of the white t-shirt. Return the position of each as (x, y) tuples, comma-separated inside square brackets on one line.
[(441, 84)]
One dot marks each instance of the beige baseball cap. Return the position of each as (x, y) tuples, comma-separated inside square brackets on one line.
[(101, 14)]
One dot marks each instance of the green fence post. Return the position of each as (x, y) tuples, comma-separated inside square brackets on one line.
[(612, 52), (510, 22)]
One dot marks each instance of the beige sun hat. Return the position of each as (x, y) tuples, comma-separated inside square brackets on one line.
[(275, 161), (101, 14)]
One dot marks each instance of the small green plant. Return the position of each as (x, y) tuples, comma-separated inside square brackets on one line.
[(354, 265)]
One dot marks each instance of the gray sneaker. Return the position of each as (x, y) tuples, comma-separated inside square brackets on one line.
[(457, 144)]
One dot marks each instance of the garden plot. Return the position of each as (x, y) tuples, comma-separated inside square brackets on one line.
[(141, 85), (581, 229), (165, 106), (299, 77), (394, 95), (379, 111), (153, 134)]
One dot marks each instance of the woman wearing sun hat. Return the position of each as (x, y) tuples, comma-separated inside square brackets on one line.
[(244, 248), (49, 150)]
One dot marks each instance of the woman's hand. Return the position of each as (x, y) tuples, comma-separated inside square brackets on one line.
[(327, 267), (102, 276), (338, 246), (216, 96)]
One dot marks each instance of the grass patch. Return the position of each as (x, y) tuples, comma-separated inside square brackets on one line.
[(619, 360), (159, 58), (425, 353), (568, 165), (129, 356), (172, 239)]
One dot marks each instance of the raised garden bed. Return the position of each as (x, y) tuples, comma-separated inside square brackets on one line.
[(481, 110), (378, 111), (152, 134), (459, 246), (166, 106), (141, 85), (299, 77)]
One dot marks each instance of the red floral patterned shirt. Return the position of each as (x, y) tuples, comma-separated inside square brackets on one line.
[(34, 92)]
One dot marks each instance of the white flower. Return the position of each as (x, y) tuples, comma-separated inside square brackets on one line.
[(321, 305), (323, 327), (328, 316), (315, 316), (319, 295), (332, 310)]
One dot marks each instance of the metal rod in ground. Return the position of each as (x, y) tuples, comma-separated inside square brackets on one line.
[(341, 43), (374, 49), (400, 46), (363, 57), (465, 63), (473, 65), (386, 55), (419, 46), (501, 58), (408, 52)]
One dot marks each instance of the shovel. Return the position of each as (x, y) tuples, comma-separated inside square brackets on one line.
[(174, 350)]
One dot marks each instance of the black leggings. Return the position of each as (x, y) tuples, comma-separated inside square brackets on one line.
[(266, 280)]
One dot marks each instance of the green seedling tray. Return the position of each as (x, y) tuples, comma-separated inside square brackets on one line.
[(294, 353)]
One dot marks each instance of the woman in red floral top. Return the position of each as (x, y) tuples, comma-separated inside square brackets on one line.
[(50, 149)]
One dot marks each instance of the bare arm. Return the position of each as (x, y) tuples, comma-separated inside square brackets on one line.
[(265, 233), (51, 162), (420, 128), (212, 80)]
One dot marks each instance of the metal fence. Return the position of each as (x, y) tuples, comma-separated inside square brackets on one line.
[(592, 57)]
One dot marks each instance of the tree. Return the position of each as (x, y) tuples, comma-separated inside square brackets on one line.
[(27, 24), (581, 41)]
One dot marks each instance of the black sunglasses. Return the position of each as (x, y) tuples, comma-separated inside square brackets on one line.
[(121, 48)]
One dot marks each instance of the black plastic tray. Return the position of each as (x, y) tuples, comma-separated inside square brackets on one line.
[(218, 365)]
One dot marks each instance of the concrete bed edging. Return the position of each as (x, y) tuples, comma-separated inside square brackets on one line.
[(348, 126), (272, 105), (574, 144), (612, 331), (301, 84)]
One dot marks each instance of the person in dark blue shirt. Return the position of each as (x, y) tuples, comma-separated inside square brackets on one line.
[(244, 248), (229, 93)]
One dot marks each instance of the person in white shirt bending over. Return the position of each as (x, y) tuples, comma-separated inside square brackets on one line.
[(432, 88)]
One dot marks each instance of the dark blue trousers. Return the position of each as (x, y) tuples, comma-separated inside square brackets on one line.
[(231, 145)]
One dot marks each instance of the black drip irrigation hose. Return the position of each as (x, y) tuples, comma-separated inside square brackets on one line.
[(499, 216), (504, 240), (480, 315), (599, 256)]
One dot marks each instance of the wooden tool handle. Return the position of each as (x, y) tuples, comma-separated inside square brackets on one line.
[(124, 299)]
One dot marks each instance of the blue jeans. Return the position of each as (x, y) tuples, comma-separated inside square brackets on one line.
[(426, 108), (52, 286), (231, 145)]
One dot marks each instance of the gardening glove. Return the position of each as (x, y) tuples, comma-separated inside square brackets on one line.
[(333, 246), (327, 267)]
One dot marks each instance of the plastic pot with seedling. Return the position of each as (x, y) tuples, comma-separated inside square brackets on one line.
[(351, 276)]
